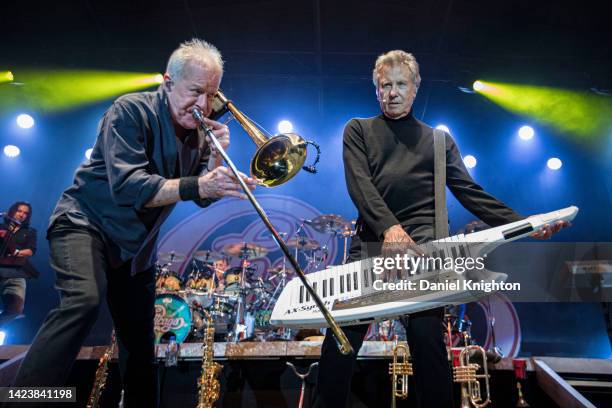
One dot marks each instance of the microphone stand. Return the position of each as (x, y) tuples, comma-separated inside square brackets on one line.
[(341, 340)]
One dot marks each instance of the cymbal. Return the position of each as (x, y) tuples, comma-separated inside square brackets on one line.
[(207, 255), (330, 224), (303, 243), (279, 269), (171, 257), (245, 250)]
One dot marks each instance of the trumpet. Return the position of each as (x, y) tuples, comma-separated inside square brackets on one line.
[(399, 370), (467, 374), (278, 158)]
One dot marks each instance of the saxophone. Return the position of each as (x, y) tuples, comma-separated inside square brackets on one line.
[(101, 374), (208, 384)]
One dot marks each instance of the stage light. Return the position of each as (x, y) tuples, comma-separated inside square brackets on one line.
[(6, 76), (478, 86), (2, 337), (25, 121), (470, 161), (56, 90), (554, 163), (88, 153), (284, 126), (580, 113), (11, 151), (526, 132), (443, 128), (159, 78)]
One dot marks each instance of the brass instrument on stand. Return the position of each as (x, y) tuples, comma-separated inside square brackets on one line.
[(520, 374), (101, 374), (208, 384), (399, 370), (467, 374)]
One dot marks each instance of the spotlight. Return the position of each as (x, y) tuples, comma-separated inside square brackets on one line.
[(470, 161), (25, 121), (443, 128), (478, 86), (526, 132), (6, 76), (554, 163), (2, 337), (88, 153), (284, 126), (159, 78), (11, 151)]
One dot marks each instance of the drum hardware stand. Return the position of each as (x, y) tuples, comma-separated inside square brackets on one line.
[(279, 287), (494, 352), (341, 340), (310, 258), (346, 234), (303, 378), (239, 328)]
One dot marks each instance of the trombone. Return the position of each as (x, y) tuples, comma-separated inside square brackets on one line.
[(277, 158), (341, 340)]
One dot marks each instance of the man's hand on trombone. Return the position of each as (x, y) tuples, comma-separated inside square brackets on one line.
[(220, 182)]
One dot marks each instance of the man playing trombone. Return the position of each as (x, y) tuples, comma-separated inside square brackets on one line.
[(103, 231)]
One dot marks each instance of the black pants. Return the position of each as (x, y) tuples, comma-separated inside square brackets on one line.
[(425, 334), (83, 278)]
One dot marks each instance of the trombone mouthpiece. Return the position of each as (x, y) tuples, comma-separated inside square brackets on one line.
[(197, 115)]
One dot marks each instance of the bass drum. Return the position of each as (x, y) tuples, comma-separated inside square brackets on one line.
[(172, 318)]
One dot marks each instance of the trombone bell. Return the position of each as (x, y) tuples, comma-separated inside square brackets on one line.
[(277, 158)]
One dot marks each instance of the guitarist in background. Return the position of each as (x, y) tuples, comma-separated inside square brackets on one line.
[(17, 243)]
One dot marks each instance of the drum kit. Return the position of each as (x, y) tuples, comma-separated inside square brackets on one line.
[(239, 299)]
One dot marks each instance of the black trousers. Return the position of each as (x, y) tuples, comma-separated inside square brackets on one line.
[(83, 278), (425, 334)]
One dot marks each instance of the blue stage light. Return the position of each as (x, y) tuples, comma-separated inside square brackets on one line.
[(25, 121), (443, 128), (554, 163), (284, 126), (470, 161), (11, 151), (526, 132), (2, 337)]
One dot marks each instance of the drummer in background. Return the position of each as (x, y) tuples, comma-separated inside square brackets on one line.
[(220, 266)]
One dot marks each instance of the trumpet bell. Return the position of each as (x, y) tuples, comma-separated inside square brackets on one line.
[(279, 159)]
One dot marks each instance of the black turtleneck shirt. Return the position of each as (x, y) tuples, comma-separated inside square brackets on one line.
[(389, 169)]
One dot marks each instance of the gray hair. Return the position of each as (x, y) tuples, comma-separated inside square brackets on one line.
[(195, 50), (397, 57)]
